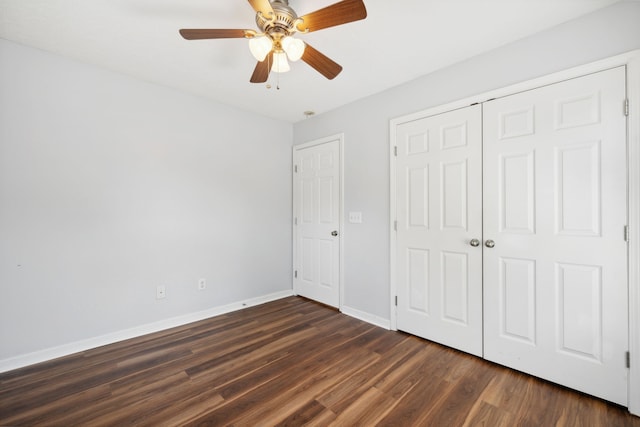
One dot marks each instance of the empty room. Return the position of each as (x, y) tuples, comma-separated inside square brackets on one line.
[(328, 212)]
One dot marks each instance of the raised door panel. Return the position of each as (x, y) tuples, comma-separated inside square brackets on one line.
[(417, 197), (455, 287), (580, 302), (454, 195), (578, 173), (517, 193), (417, 275), (517, 304)]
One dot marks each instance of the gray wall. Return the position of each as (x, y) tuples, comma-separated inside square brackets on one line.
[(110, 186), (365, 124)]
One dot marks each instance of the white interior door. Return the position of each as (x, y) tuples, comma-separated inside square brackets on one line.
[(555, 280), (439, 213), (317, 221)]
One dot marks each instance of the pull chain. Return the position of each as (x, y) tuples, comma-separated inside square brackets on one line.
[(269, 65), (268, 68)]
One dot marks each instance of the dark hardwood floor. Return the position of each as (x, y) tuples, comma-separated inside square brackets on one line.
[(290, 362)]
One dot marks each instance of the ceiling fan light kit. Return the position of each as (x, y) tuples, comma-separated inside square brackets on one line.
[(260, 47), (274, 43), (280, 64), (293, 47)]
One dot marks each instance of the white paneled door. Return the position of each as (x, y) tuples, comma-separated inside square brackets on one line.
[(511, 224), (555, 255), (317, 221), (439, 214)]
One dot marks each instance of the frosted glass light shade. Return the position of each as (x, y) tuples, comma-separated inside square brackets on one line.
[(280, 64), (293, 47), (260, 47)]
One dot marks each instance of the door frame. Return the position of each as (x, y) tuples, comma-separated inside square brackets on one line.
[(632, 62), (340, 138)]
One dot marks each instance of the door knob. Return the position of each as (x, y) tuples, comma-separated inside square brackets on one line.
[(490, 243), (334, 233), (475, 243)]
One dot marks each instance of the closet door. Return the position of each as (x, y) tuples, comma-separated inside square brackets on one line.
[(555, 256), (439, 212)]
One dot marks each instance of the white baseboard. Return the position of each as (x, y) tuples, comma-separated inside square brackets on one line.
[(366, 317), (78, 346)]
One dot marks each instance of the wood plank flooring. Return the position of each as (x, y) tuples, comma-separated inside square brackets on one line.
[(291, 362)]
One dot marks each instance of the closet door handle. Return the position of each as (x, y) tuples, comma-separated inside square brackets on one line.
[(490, 243), (475, 243)]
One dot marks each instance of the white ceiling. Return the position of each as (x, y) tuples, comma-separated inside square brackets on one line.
[(399, 41)]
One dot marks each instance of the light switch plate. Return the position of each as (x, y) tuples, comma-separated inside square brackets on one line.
[(355, 217)]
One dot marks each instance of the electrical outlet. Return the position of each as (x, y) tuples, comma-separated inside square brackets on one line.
[(202, 284), (161, 292)]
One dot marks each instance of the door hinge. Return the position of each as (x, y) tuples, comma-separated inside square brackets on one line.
[(628, 357), (295, 221), (626, 233), (295, 274), (295, 168), (395, 150), (396, 300), (626, 107), (395, 225)]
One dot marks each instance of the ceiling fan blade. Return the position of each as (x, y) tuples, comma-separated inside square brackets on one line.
[(321, 63), (337, 14), (261, 72), (263, 6), (198, 34)]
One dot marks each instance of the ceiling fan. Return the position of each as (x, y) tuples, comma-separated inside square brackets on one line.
[(275, 42)]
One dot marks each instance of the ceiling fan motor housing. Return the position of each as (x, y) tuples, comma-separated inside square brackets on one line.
[(282, 23)]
